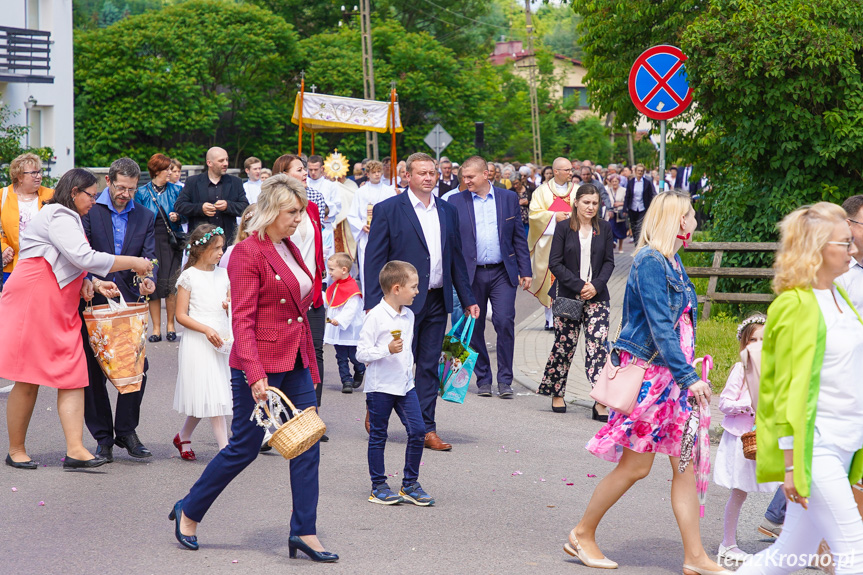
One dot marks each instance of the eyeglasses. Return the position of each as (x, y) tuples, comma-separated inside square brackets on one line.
[(849, 219), (92, 196), (846, 244), (34, 173), (119, 190)]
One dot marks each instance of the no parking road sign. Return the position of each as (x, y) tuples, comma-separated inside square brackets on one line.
[(657, 83)]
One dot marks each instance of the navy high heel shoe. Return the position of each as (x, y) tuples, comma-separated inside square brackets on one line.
[(187, 541), (295, 543)]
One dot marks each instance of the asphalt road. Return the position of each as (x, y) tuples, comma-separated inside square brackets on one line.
[(513, 486)]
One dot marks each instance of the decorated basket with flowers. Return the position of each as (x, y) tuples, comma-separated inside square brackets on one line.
[(118, 336)]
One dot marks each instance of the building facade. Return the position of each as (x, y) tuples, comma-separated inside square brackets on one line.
[(36, 74)]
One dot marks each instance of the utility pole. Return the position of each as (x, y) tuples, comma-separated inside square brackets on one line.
[(534, 104), (368, 72)]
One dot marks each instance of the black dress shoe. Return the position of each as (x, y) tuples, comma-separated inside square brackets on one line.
[(154, 338), (72, 463), (21, 464), (295, 543), (133, 445), (106, 451), (596, 416), (325, 438)]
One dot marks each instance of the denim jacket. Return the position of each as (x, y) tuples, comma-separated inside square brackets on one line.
[(166, 199), (655, 298)]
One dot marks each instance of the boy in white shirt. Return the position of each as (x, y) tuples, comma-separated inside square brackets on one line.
[(344, 320), (385, 346)]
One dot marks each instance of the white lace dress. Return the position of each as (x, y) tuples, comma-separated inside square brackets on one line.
[(203, 375)]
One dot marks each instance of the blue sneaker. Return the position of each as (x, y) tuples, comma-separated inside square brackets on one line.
[(415, 494), (383, 495)]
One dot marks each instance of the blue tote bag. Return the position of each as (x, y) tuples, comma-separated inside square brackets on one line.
[(457, 361)]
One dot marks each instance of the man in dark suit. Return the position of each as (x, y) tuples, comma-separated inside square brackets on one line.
[(418, 228), (497, 260), (213, 197), (120, 226), (448, 180), (685, 182), (639, 194)]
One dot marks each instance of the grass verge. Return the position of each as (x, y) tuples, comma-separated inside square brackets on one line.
[(718, 338)]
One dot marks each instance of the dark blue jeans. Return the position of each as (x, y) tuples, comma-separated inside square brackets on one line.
[(381, 406), (776, 509), (345, 356), (245, 444)]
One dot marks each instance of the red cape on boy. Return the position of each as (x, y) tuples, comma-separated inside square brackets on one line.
[(338, 293)]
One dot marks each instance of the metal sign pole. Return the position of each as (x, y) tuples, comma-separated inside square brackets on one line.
[(662, 155), (437, 145)]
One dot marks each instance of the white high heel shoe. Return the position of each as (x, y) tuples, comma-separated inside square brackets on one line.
[(604, 563), (699, 571)]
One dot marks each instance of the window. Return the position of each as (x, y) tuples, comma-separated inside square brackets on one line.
[(34, 137), (579, 92), (32, 21)]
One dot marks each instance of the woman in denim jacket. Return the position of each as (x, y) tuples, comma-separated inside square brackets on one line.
[(659, 311)]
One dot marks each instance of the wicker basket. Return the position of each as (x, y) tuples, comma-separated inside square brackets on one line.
[(750, 447), (299, 433)]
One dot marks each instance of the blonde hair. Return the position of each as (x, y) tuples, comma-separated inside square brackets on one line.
[(662, 222), (243, 228), (278, 192), (19, 165), (341, 259), (374, 166), (803, 234)]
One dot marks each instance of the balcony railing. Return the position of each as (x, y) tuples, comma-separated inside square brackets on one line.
[(25, 55)]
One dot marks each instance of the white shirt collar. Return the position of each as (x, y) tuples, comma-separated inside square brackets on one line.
[(416, 202), (391, 311)]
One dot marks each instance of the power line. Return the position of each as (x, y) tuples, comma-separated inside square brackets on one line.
[(439, 7)]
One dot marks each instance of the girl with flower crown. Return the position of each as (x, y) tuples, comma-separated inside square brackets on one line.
[(732, 470), (203, 376)]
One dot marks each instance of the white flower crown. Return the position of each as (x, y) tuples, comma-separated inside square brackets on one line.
[(759, 319)]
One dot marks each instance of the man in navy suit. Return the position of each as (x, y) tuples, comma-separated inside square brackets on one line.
[(418, 228), (119, 226), (684, 181), (497, 260)]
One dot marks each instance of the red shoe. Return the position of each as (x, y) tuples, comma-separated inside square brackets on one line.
[(188, 454)]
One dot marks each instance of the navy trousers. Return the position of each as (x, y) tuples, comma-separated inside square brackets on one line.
[(346, 355), (245, 445), (492, 283), (429, 331), (407, 407)]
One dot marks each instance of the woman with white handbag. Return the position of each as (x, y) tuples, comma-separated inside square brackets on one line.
[(654, 350)]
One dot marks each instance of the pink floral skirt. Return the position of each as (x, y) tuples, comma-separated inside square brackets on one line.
[(656, 424)]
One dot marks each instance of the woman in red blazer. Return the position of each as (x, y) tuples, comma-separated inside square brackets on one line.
[(271, 291), (295, 167)]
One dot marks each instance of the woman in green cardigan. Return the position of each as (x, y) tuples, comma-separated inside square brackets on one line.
[(809, 422)]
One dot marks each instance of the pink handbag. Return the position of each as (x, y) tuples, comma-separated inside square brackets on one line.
[(617, 387)]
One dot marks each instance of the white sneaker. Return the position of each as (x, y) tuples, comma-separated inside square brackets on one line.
[(733, 553)]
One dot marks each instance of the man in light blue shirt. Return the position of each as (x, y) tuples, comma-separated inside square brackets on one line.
[(497, 259)]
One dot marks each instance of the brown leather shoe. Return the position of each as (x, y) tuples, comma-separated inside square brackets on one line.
[(435, 443), (368, 425)]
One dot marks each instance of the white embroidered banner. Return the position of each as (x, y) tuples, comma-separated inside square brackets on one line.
[(325, 113)]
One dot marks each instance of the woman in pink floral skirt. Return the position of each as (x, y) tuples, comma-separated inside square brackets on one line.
[(658, 331)]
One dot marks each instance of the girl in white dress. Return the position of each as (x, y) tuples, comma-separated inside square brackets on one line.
[(203, 376), (731, 469)]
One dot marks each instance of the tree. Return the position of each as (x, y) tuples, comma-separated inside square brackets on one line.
[(185, 78), (433, 84), (111, 14), (779, 87)]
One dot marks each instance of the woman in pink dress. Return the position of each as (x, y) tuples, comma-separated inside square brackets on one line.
[(658, 333), (40, 304)]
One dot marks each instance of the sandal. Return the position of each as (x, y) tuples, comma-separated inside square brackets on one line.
[(155, 337), (188, 454)]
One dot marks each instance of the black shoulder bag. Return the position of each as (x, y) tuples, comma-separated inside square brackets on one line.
[(177, 240)]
